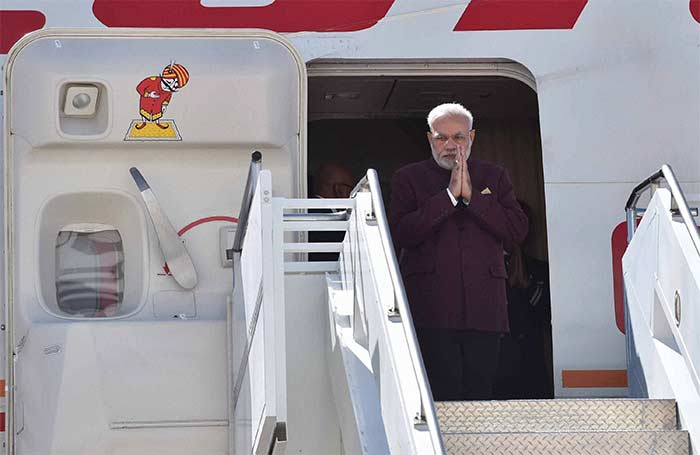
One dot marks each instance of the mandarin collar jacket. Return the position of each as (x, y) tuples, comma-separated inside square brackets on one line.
[(451, 257)]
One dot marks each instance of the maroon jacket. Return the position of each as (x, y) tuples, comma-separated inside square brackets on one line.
[(452, 257)]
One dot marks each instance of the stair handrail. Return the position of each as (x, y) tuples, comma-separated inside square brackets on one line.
[(250, 185), (651, 313), (666, 173), (427, 412)]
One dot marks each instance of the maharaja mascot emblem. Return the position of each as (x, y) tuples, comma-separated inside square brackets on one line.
[(155, 94)]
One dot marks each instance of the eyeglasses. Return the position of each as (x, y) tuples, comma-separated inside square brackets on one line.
[(343, 186), (458, 138)]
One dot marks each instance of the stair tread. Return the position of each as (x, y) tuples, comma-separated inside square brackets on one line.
[(574, 443), (556, 415)]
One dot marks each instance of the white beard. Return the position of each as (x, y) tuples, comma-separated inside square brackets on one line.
[(448, 162)]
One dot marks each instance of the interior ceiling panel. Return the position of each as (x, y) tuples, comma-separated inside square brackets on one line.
[(391, 97), (338, 95)]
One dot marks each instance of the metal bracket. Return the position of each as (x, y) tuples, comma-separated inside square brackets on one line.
[(693, 211), (273, 439), (371, 218), (419, 421), (394, 315), (280, 442), (677, 308)]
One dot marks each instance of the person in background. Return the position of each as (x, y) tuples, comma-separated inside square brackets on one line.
[(330, 181), (524, 370), (452, 216), (333, 180)]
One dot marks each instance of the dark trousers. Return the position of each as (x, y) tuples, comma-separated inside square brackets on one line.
[(461, 364)]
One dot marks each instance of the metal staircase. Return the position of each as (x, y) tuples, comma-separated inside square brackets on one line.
[(560, 426), (581, 426), (378, 389)]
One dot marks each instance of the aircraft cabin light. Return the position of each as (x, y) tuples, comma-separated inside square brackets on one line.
[(342, 96)]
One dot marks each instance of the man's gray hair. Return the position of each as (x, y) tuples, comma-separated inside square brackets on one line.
[(449, 110)]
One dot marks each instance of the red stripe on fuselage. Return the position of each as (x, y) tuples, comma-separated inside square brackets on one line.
[(15, 24), (695, 9), (520, 15), (279, 16)]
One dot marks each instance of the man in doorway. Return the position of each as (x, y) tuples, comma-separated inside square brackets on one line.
[(452, 216), (330, 181), (333, 180)]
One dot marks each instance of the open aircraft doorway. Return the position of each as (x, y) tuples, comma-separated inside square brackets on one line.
[(373, 115)]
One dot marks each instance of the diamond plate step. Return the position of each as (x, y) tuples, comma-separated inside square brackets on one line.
[(575, 415), (588, 443)]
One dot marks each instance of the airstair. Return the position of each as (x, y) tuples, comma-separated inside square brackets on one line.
[(376, 388)]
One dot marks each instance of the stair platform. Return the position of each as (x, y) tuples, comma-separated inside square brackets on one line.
[(582, 443), (523, 416), (563, 426)]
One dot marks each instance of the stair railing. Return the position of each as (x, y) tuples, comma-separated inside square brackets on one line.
[(253, 306), (248, 193), (425, 415), (661, 269), (652, 182)]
